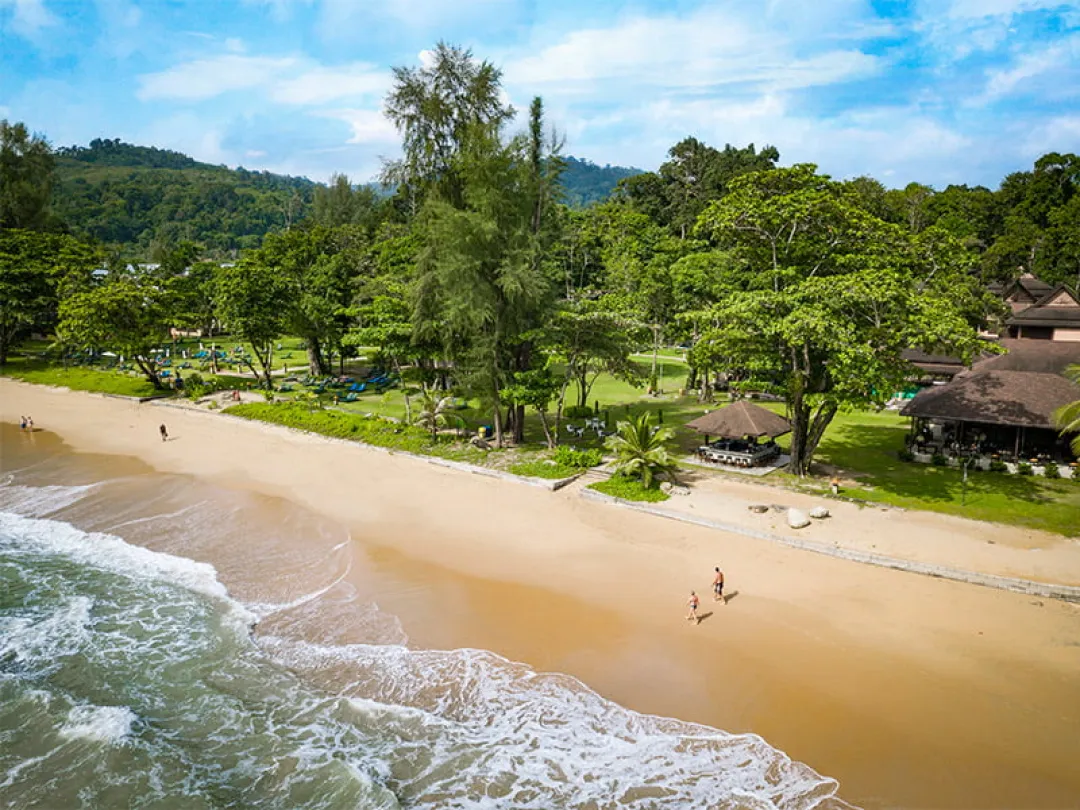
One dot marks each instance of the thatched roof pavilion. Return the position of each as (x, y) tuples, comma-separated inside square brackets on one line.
[(740, 419)]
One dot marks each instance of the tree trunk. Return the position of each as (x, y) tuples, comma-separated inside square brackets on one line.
[(547, 430), (149, 371), (825, 413), (519, 424), (404, 390), (800, 418), (691, 378), (498, 417), (316, 364)]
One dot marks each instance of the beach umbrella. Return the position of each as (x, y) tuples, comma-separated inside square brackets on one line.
[(740, 419)]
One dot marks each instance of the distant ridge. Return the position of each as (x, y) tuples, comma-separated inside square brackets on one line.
[(585, 183)]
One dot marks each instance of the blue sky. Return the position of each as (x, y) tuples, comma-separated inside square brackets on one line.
[(935, 91)]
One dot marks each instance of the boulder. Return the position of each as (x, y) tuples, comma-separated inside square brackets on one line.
[(673, 489), (797, 519), (819, 512), (759, 508)]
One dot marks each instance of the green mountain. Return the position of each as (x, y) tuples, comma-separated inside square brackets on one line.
[(585, 183), (139, 197)]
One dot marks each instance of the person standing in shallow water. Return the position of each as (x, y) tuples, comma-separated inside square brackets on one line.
[(164, 432), (693, 603), (718, 586)]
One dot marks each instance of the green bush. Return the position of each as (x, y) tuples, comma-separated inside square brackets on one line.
[(938, 460), (997, 465), (629, 489), (1023, 468), (1075, 475), (577, 459), (577, 412), (1051, 470), (906, 455)]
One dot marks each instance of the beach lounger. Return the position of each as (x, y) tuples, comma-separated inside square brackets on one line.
[(350, 398)]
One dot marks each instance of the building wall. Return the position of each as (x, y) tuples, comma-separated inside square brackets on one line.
[(1068, 335)]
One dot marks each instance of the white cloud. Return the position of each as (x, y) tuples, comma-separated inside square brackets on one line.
[(206, 78), (706, 49), (234, 45), (285, 80), (280, 10), (368, 126), (322, 84), (977, 9), (29, 16), (1051, 135), (1057, 57)]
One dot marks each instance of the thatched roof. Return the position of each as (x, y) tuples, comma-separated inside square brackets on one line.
[(1014, 398), (740, 419)]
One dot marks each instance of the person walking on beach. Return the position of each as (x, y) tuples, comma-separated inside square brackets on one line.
[(22, 423), (718, 586), (30, 423), (164, 432), (693, 602)]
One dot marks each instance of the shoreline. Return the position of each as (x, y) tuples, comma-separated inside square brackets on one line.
[(897, 686)]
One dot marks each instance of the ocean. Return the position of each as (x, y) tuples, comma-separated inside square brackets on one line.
[(169, 643)]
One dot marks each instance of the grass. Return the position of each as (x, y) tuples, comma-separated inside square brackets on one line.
[(543, 469), (629, 489), (354, 427), (78, 378)]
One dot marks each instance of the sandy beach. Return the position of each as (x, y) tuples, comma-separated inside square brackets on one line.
[(911, 691)]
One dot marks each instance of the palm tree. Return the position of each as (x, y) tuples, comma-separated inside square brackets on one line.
[(435, 411), (1067, 417), (639, 450)]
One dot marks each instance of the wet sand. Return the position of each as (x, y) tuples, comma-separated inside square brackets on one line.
[(911, 691)]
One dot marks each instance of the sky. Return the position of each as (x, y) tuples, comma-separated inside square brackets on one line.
[(930, 91)]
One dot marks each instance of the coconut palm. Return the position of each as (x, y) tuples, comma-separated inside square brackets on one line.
[(1067, 418), (435, 411), (639, 450)]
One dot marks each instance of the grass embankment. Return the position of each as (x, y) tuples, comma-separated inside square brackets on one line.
[(355, 427), (79, 378), (629, 489)]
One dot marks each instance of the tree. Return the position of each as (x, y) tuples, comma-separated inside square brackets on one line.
[(1067, 418), (834, 298), (536, 388), (435, 411), (339, 203), (125, 314), (26, 175), (34, 266), (253, 303), (639, 450), (438, 108)]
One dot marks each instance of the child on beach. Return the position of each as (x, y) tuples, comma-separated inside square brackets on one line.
[(164, 433), (30, 423), (22, 423), (693, 602)]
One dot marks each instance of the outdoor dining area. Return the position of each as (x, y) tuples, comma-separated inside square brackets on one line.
[(739, 427)]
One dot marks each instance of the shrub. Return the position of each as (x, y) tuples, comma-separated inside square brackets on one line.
[(938, 460), (577, 459), (629, 489), (906, 455), (577, 412), (194, 378), (543, 469), (1050, 470), (1023, 468), (997, 465), (1075, 475)]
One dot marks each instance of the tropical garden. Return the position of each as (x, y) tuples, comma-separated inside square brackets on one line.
[(465, 309)]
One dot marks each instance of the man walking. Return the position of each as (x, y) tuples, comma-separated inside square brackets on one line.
[(718, 586), (164, 432)]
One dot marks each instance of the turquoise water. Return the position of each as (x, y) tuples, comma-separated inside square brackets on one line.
[(131, 677)]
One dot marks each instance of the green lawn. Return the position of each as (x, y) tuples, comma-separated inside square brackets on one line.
[(78, 378), (863, 445)]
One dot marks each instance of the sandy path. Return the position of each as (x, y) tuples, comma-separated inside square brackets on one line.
[(912, 691)]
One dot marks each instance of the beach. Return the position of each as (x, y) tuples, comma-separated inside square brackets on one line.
[(910, 691)]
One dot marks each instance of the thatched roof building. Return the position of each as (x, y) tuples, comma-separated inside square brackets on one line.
[(740, 419)]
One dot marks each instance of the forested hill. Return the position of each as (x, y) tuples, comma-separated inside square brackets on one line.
[(137, 197), (585, 183)]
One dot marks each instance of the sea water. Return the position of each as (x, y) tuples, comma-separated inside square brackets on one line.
[(132, 677)]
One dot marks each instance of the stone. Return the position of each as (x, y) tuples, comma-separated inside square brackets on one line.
[(819, 512), (680, 490), (759, 508), (797, 519)]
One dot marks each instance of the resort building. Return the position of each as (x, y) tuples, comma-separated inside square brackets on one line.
[(1003, 406), (1055, 316)]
